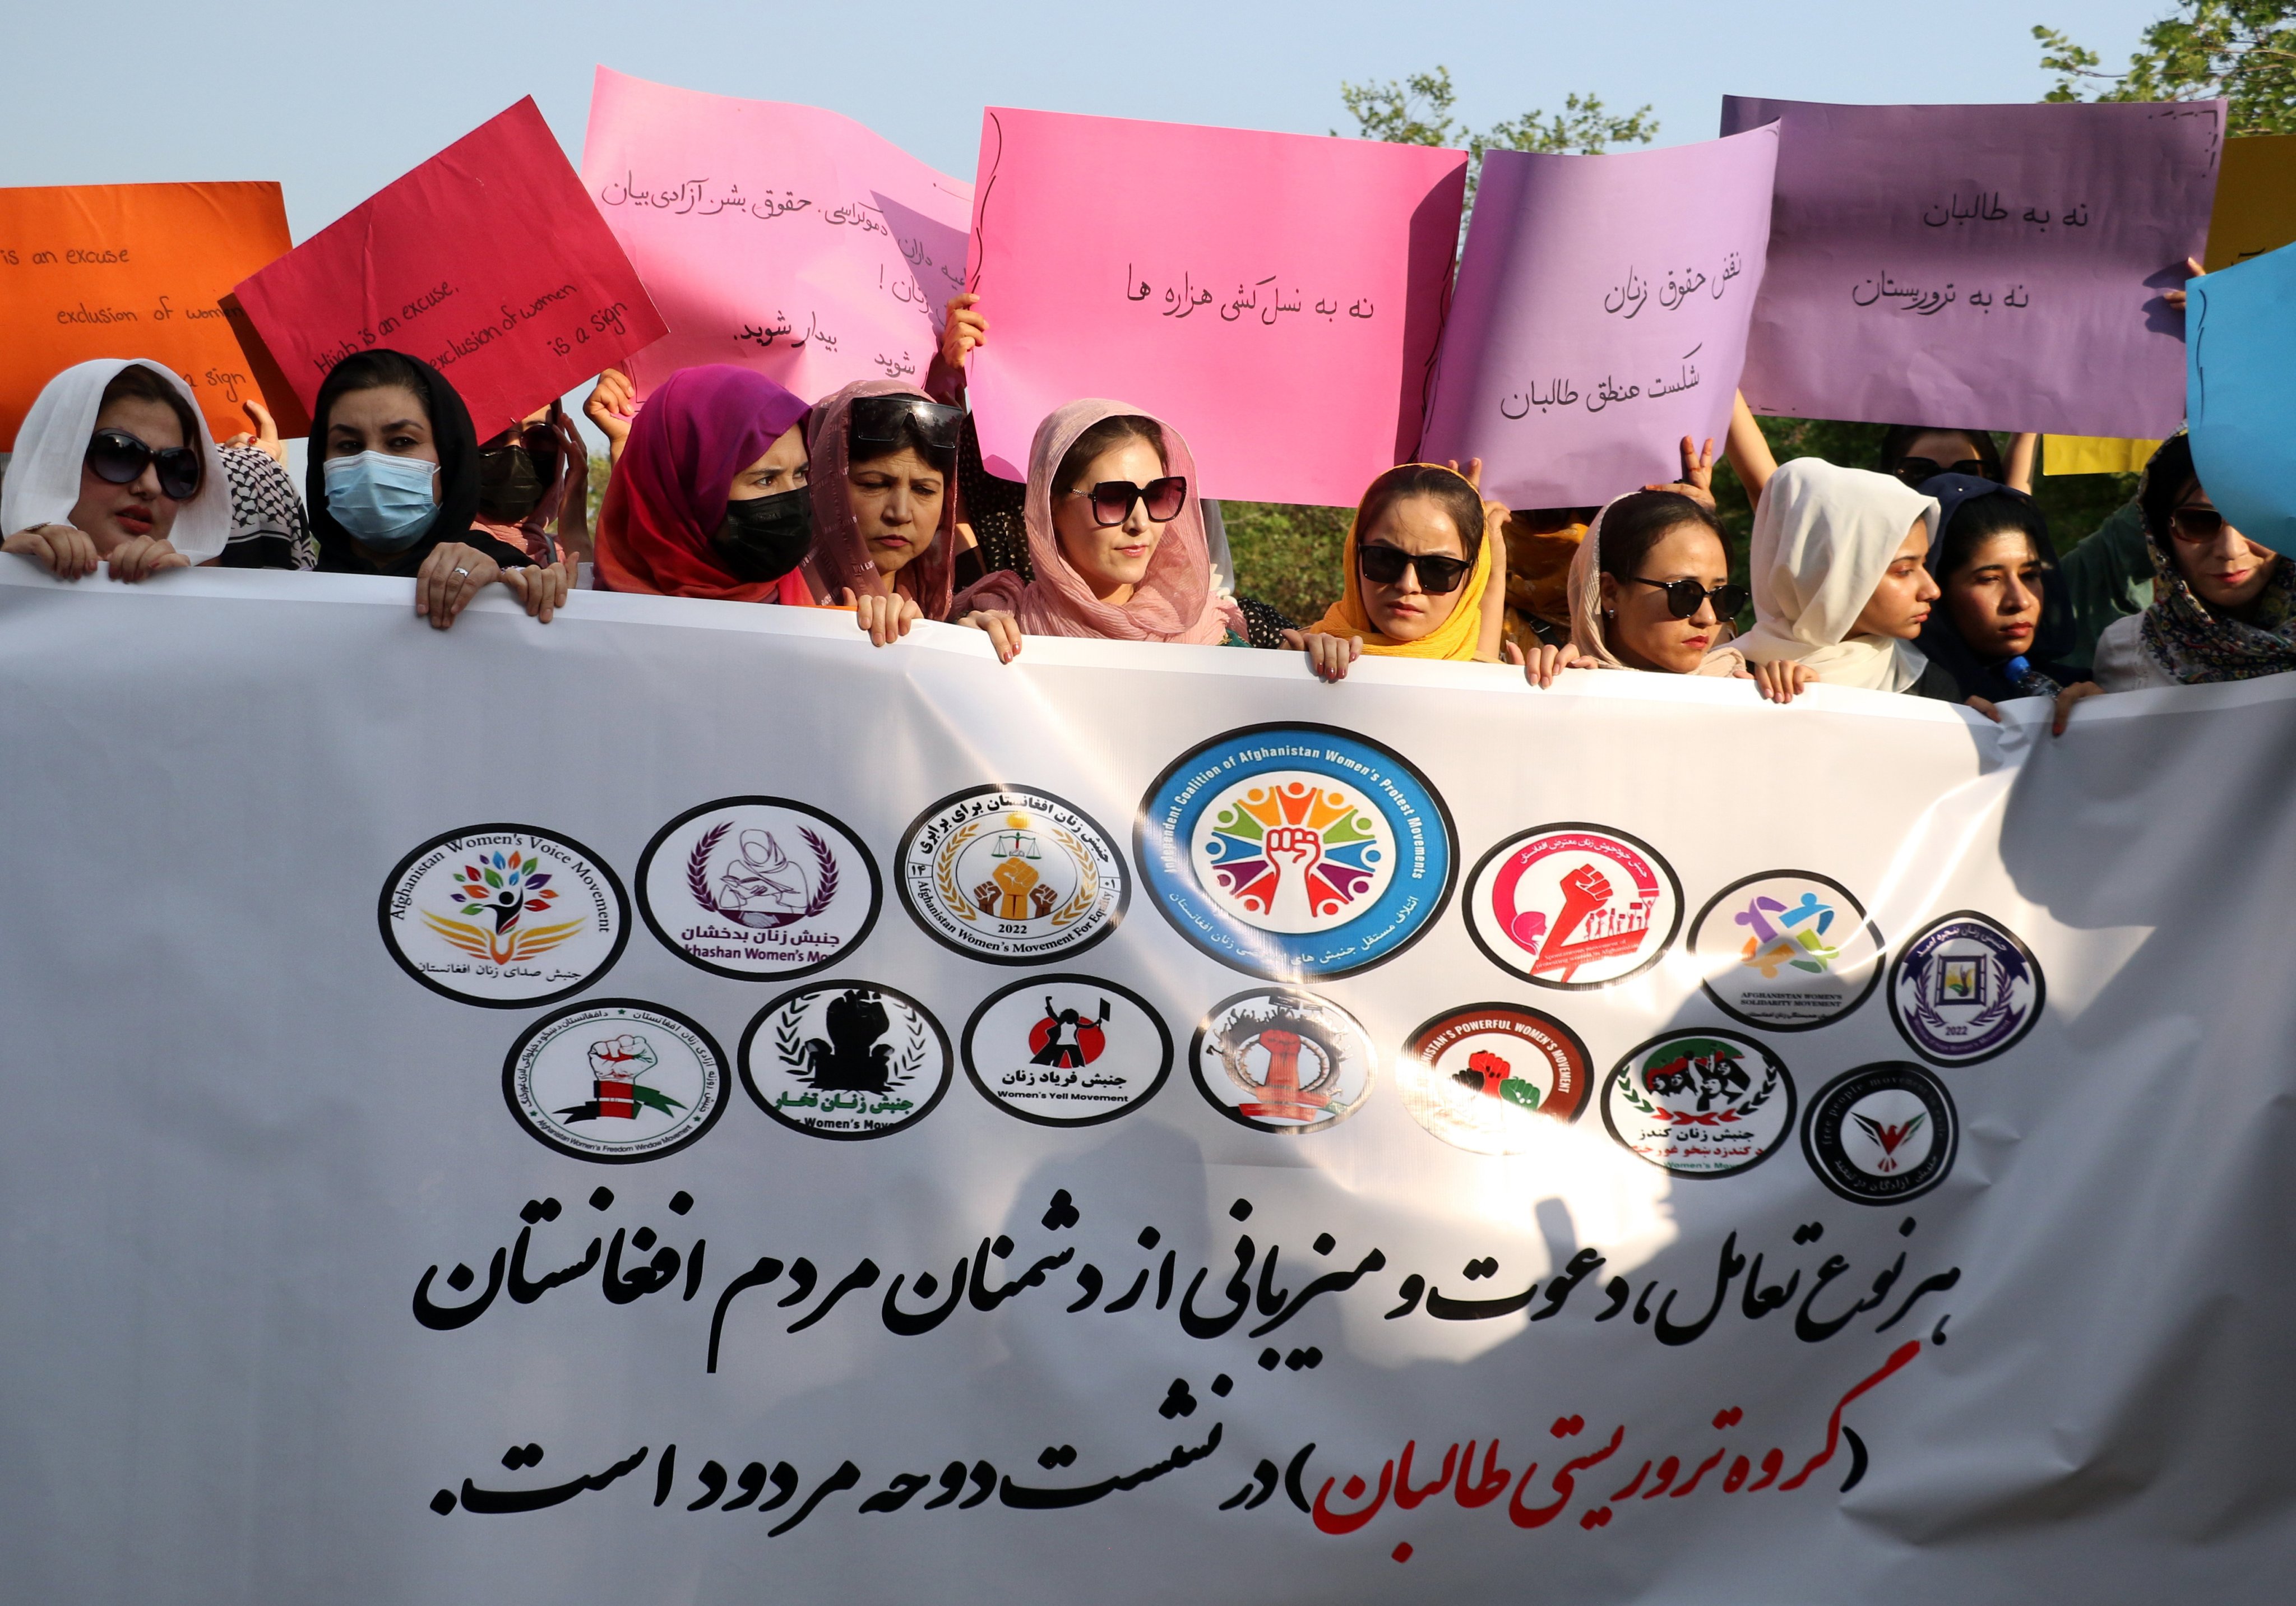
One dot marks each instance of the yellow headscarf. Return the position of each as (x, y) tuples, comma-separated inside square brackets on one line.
[(1455, 638)]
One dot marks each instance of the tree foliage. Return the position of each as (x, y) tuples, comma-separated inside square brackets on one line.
[(1417, 110), (2243, 50)]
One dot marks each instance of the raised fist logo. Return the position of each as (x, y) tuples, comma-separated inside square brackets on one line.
[(1043, 898), (1299, 845), (623, 1059)]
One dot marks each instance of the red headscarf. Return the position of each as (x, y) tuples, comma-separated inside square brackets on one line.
[(841, 558), (701, 428)]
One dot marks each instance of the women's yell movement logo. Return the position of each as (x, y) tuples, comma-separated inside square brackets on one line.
[(615, 1081), (1882, 1133), (1786, 950), (1573, 907), (758, 889), (1481, 1077), (1701, 1104), (1285, 1061), (1296, 850), (845, 1059), (1067, 1050), (1965, 989), (504, 915), (1012, 875)]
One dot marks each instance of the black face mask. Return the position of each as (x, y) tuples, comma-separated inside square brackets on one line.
[(765, 538), (509, 484)]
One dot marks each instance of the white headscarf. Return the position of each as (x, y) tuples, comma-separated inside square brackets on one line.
[(43, 482), (1824, 537)]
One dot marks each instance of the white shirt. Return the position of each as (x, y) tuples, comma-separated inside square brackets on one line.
[(2122, 664)]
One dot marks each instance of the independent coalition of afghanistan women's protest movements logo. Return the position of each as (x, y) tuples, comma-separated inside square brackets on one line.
[(1285, 1061), (758, 889), (1067, 1050), (1478, 1077), (1882, 1134), (504, 915), (615, 1081), (1573, 905), (1786, 950), (1701, 1104), (1296, 850), (1964, 989), (845, 1059), (1012, 875)]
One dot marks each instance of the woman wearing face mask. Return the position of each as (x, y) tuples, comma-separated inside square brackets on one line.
[(883, 456), (532, 478), (393, 489), (1840, 587), (2003, 619), (1116, 540), (113, 466), (1650, 590), (709, 499)]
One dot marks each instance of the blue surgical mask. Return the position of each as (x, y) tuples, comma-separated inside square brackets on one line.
[(383, 500)]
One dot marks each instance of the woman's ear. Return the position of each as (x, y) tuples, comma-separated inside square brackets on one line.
[(1610, 594)]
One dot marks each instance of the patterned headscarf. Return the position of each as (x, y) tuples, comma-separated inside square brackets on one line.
[(2181, 635)]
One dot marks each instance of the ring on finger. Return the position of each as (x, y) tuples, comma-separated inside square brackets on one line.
[(461, 574)]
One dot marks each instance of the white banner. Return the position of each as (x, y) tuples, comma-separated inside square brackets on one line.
[(680, 1106)]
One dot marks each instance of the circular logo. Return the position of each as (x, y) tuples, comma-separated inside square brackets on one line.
[(504, 917), (1279, 1061), (1701, 1104), (1296, 850), (1786, 950), (615, 1081), (1012, 875), (758, 888), (1573, 905), (845, 1059), (1067, 1050), (1882, 1134), (1478, 1077), (1964, 989)]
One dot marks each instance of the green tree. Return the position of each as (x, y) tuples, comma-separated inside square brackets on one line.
[(1416, 111), (2243, 50)]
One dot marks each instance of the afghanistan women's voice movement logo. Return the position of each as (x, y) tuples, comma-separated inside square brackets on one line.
[(1965, 989), (845, 1059), (1882, 1133), (1280, 1060), (1786, 950), (1012, 875), (1067, 1050), (1478, 1077), (758, 889), (504, 915), (1573, 907), (615, 1081), (1293, 851), (1701, 1104)]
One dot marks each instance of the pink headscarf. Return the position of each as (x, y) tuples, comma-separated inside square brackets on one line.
[(1175, 601), (841, 558)]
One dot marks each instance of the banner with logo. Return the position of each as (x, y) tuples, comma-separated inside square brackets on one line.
[(826, 1124)]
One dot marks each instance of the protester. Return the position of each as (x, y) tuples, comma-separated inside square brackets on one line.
[(883, 458), (392, 487), (534, 489), (1116, 540), (113, 466), (2005, 617), (1650, 589), (992, 516), (709, 499)]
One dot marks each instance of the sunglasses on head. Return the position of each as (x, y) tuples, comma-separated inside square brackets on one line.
[(2196, 523), (889, 420), (1112, 499), (120, 458), (1383, 565), (1683, 598), (1912, 470)]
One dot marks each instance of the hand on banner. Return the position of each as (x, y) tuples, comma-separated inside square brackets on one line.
[(1541, 667), (266, 435), (542, 588), (64, 551), (140, 557), (449, 577), (963, 329), (1328, 655), (886, 618), (2176, 297), (1003, 631), (1987, 707), (2066, 699), (1779, 682), (1697, 481), (612, 405)]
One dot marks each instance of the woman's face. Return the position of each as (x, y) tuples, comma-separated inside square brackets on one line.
[(1995, 597), (1640, 625), (897, 501), (1900, 603), (781, 469), (110, 513), (1406, 611), (388, 418), (2225, 568), (1110, 558)]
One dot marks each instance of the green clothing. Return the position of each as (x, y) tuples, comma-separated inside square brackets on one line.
[(2108, 576)]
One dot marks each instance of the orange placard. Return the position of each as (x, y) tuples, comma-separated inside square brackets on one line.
[(131, 270)]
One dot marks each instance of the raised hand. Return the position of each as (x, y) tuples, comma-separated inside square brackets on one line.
[(1697, 481), (613, 402), (266, 435), (961, 330)]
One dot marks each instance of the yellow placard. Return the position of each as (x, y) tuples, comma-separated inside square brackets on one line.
[(2094, 454)]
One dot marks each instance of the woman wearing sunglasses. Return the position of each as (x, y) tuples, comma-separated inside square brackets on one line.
[(883, 456), (113, 466), (1116, 540), (1650, 590)]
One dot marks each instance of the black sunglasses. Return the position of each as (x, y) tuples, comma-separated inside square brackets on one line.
[(1383, 565), (120, 458), (1112, 499), (1914, 470), (1683, 598), (888, 420), (2196, 524)]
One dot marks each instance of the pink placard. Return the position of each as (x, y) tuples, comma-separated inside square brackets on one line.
[(1276, 297), (487, 262), (781, 238)]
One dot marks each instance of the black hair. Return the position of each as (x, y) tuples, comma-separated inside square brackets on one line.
[(2168, 477), (1979, 518), (1106, 436), (139, 382), (1447, 490), (380, 370), (1901, 440), (1634, 524)]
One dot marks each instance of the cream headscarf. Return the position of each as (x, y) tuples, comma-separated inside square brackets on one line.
[(43, 482), (1824, 537), (1589, 639), (1455, 638)]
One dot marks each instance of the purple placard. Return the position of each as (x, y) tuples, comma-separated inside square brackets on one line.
[(1601, 315), (1991, 268)]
